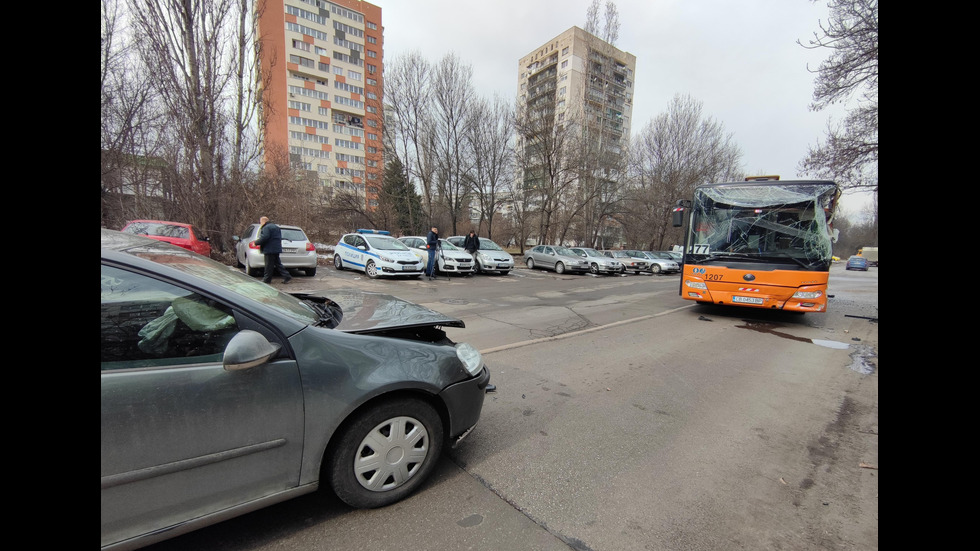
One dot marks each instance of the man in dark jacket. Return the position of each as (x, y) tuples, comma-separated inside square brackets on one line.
[(471, 244), (270, 244), (432, 243)]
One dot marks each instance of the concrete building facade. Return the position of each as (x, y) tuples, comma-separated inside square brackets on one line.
[(584, 80), (321, 72)]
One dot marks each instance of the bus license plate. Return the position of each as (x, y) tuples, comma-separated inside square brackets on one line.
[(747, 300)]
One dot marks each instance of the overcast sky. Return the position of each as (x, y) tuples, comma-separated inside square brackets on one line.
[(739, 59)]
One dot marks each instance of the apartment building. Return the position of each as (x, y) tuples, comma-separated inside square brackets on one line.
[(581, 80), (322, 65)]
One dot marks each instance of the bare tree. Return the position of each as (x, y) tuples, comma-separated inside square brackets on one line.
[(543, 155), (130, 128), (850, 152), (408, 126), (674, 152), (453, 97), (490, 131)]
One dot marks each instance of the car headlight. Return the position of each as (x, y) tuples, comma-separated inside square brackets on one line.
[(485, 257), (471, 358), (385, 258), (808, 294)]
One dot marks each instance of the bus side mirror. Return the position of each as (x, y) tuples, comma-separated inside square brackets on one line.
[(678, 217)]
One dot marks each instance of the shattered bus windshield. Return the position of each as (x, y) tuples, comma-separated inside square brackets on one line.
[(771, 222)]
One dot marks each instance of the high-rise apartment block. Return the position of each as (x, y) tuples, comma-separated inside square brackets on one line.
[(584, 80), (322, 65)]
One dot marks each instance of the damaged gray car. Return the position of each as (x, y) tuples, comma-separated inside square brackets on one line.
[(222, 395)]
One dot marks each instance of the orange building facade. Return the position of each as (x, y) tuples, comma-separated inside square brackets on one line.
[(322, 66)]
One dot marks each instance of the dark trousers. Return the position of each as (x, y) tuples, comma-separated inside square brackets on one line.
[(274, 266)]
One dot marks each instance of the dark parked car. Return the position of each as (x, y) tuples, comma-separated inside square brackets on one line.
[(857, 263), (221, 394)]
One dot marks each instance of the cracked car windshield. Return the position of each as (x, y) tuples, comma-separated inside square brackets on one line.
[(788, 223)]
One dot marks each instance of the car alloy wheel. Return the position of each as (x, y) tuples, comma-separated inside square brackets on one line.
[(385, 453), (559, 268), (594, 268), (530, 264), (371, 270), (655, 268), (338, 262)]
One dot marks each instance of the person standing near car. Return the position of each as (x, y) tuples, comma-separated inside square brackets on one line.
[(270, 245), (431, 244), (471, 245)]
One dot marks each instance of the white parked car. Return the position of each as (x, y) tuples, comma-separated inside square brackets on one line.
[(490, 258), (376, 254), (450, 259)]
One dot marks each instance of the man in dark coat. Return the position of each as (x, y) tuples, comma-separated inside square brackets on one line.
[(270, 244), (471, 244), (432, 243)]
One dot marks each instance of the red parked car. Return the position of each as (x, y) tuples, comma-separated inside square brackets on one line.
[(176, 233)]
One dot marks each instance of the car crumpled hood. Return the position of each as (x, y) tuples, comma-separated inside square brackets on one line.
[(365, 312)]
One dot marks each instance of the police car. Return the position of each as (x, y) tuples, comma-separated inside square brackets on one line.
[(376, 254)]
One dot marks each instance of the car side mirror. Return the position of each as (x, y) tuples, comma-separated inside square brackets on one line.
[(248, 349)]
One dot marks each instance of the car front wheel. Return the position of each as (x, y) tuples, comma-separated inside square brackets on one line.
[(385, 453), (655, 268), (559, 268), (338, 262), (594, 268), (530, 263), (371, 270)]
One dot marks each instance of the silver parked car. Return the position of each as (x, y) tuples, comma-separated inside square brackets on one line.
[(598, 262), (450, 259), (658, 264), (552, 257), (221, 394), (630, 263), (490, 258), (298, 251)]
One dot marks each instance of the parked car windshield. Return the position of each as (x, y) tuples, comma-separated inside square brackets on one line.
[(564, 252), (385, 243), (232, 280), (487, 245), (447, 246), (591, 252)]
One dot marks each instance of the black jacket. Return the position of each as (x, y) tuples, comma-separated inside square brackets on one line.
[(471, 244), (432, 240), (270, 239)]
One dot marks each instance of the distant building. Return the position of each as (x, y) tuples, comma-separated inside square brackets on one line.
[(322, 66), (581, 79)]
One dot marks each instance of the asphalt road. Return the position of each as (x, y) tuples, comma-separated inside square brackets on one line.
[(627, 418)]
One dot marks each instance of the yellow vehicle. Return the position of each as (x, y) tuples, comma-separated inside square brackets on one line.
[(760, 243)]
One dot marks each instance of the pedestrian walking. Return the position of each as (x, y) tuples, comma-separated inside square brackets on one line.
[(270, 245)]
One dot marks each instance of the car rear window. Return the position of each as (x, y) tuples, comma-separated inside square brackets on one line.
[(293, 235), (160, 230)]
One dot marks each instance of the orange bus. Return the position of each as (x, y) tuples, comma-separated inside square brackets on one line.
[(761, 243)]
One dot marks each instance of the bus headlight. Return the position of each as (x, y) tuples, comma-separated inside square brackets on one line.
[(696, 284), (807, 295)]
